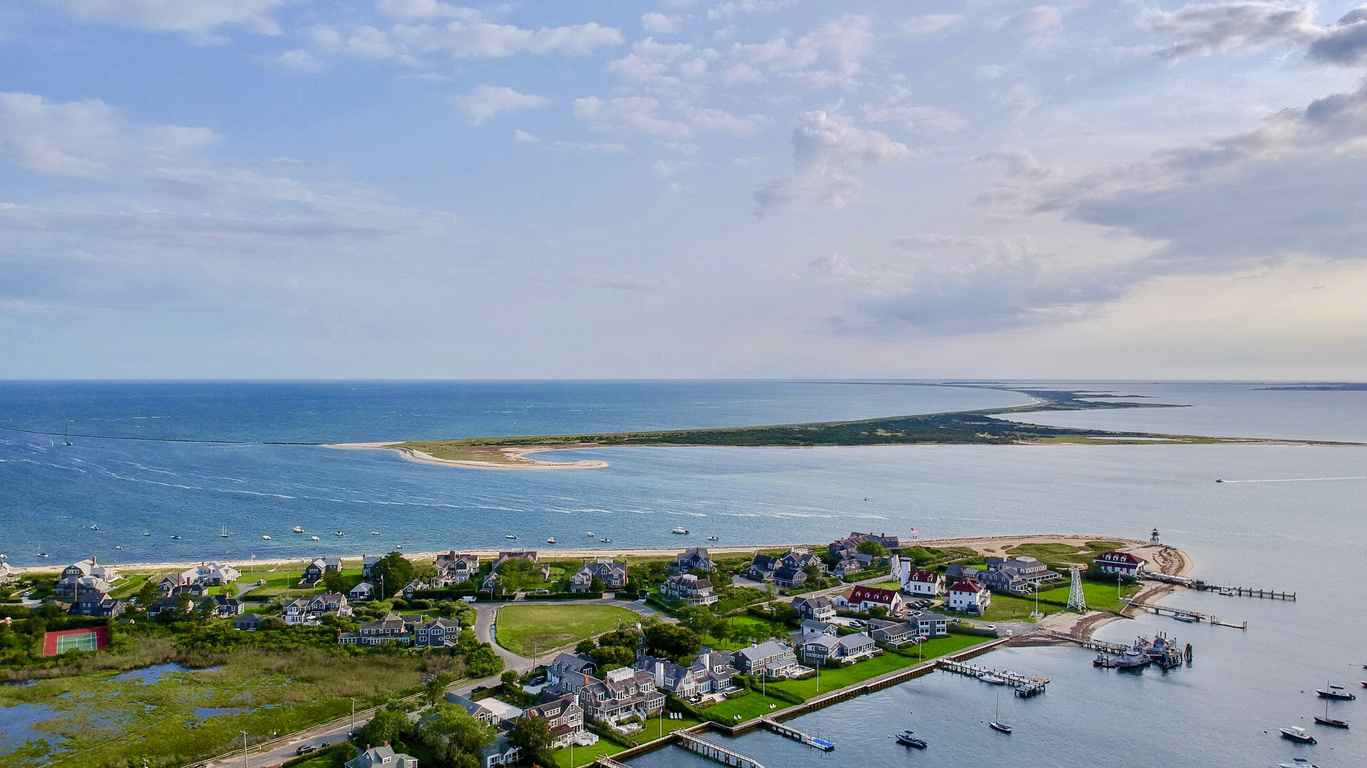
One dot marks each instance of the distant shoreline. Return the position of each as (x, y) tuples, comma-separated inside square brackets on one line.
[(507, 458)]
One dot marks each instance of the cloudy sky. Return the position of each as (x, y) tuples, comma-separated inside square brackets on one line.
[(682, 188)]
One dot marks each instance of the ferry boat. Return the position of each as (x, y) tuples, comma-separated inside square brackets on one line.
[(297, 529), (1297, 734), (1336, 693), (907, 740), (680, 530)]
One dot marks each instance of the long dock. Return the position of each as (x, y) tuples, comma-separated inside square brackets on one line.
[(1200, 585), (716, 752), (1024, 686), (788, 731), (1163, 610)]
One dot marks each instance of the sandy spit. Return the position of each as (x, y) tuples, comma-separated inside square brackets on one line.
[(518, 457)]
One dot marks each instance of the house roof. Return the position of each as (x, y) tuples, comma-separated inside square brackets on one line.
[(863, 594), (1117, 558), (816, 626), (763, 651), (859, 640), (967, 585), (826, 641), (924, 577)]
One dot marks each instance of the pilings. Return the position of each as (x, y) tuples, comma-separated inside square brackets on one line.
[(1025, 686), (1195, 616), (787, 731), (716, 752), (1200, 585)]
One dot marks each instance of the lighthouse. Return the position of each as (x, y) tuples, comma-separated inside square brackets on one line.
[(1153, 538)]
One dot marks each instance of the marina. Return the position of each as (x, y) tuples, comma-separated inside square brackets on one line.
[(1025, 687), (1187, 616)]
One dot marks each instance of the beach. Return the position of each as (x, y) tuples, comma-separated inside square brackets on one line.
[(514, 458)]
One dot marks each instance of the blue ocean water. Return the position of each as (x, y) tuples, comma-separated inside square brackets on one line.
[(1288, 517)]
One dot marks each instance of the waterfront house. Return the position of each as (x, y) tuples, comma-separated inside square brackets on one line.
[(368, 562), (566, 720), (968, 596), (314, 572), (382, 757), (770, 658), (929, 624), (820, 608), (437, 633), (801, 558), (572, 663), (674, 678), (762, 568), (216, 574), (410, 590), (715, 672), (8, 573), (84, 574), (789, 577), (474, 709), (363, 591), (688, 589), (819, 649), (515, 554), (455, 568), (893, 634), (499, 752), (1122, 563), (847, 568), (919, 583), (247, 622), (621, 694), (612, 573), (221, 607), (1018, 575), (96, 603), (864, 599), (693, 559), (183, 583)]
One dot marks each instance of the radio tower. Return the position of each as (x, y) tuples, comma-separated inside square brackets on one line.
[(1076, 600)]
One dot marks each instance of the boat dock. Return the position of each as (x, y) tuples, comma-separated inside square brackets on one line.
[(1200, 585), (1025, 686), (1093, 645), (720, 754), (790, 732), (1163, 610)]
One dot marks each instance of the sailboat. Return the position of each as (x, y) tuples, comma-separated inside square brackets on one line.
[(66, 435), (997, 724), (224, 535), (1329, 721)]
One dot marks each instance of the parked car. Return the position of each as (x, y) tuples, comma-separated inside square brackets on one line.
[(856, 624), (304, 749)]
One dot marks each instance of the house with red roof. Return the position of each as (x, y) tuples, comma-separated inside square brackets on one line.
[(968, 596), (1122, 563), (863, 599), (923, 583)]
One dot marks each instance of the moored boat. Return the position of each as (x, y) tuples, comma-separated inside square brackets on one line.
[(1330, 721), (1297, 734), (680, 530), (1336, 693), (297, 529), (992, 678), (551, 540), (264, 537), (906, 739), (1183, 617), (314, 538)]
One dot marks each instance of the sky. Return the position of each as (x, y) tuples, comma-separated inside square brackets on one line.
[(683, 188)]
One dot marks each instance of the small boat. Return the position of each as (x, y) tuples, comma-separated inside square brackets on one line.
[(509, 536), (398, 546), (992, 678), (175, 537), (1297, 762), (997, 724), (224, 534), (1297, 734), (606, 541), (680, 530), (1329, 721), (1227, 593), (313, 538), (42, 555), (1336, 693), (297, 529), (118, 546), (591, 535), (1186, 618), (1218, 480), (374, 533), (551, 540), (713, 538), (339, 533), (907, 740), (264, 537), (94, 527), (1104, 661), (146, 533)]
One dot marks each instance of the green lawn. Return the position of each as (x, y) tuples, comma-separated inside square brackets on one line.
[(524, 629), (892, 585), (587, 755), (1012, 608), (1100, 595), (833, 678), (751, 626), (128, 586), (1060, 556), (747, 707)]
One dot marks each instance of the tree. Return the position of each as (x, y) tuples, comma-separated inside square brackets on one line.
[(509, 679), (597, 585), (676, 643), (336, 582), (698, 618), (532, 735), (625, 638), (391, 573), (483, 662), (434, 689), (450, 731), (612, 657), (148, 594), (873, 549), (585, 647), (386, 726)]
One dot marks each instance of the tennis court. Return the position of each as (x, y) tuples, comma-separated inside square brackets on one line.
[(55, 643)]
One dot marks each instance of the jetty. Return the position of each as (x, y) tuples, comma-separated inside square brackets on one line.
[(715, 752), (1025, 687), (787, 731), (1201, 585), (1195, 616)]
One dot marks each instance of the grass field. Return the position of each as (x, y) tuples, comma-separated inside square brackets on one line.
[(1011, 608), (833, 678), (1100, 595), (174, 716), (1060, 556), (751, 706), (518, 627), (753, 626)]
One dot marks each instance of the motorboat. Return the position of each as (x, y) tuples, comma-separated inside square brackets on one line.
[(992, 678), (907, 740), (713, 538), (1185, 618), (680, 530), (94, 527), (551, 540), (175, 537), (509, 536), (1218, 480), (118, 546), (297, 529), (43, 555), (265, 537), (339, 533), (1336, 693), (374, 533), (146, 533), (398, 546), (591, 535), (606, 540), (1297, 762), (314, 538), (1297, 734)]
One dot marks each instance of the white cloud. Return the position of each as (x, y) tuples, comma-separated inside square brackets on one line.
[(1200, 30), (989, 71), (641, 114), (930, 23), (827, 149), (1020, 99), (301, 60), (522, 137), (673, 69), (661, 24), (84, 138), (917, 118), (730, 10), (841, 44), (485, 101), (195, 17)]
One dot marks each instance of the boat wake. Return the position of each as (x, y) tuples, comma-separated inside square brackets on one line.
[(1295, 480)]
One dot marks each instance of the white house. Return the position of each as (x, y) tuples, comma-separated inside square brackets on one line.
[(363, 591), (968, 596), (216, 574), (1122, 563), (864, 599), (923, 583)]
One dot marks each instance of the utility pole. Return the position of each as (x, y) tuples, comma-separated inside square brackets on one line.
[(245, 764), (353, 716)]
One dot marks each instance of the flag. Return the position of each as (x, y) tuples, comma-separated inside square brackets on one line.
[(914, 532)]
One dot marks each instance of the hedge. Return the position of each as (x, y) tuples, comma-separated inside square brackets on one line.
[(567, 596)]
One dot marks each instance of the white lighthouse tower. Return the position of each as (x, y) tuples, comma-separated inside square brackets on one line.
[(1153, 538)]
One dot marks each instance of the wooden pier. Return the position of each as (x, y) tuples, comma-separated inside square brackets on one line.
[(1163, 610), (787, 731), (608, 762), (715, 752), (1201, 585), (1024, 686)]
